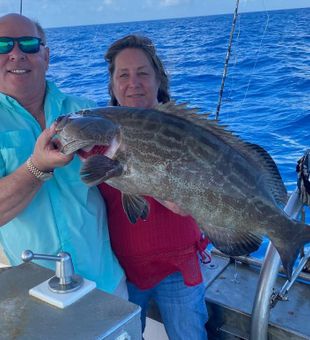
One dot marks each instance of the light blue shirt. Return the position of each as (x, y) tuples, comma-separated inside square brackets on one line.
[(65, 214)]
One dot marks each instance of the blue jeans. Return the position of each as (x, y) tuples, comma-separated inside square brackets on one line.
[(182, 308)]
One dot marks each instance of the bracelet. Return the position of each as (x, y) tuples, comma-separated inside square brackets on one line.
[(37, 173)]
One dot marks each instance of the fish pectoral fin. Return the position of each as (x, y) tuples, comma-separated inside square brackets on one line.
[(135, 207), (99, 168), (233, 242)]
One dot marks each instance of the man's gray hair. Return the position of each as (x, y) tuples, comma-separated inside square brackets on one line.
[(41, 31)]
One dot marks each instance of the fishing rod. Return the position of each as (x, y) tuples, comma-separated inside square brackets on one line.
[(227, 60)]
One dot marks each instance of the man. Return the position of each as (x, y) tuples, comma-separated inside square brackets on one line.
[(44, 206)]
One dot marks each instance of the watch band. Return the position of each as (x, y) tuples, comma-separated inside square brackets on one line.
[(37, 173)]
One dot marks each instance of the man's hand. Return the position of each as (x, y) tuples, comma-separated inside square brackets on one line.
[(47, 155)]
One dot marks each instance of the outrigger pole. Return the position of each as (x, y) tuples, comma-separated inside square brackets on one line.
[(227, 60)]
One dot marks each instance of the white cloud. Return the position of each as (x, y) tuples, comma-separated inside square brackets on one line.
[(164, 3), (167, 3), (170, 3)]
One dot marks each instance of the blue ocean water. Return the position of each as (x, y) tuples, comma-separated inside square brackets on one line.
[(267, 90)]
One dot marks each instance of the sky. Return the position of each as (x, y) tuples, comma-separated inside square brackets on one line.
[(58, 13)]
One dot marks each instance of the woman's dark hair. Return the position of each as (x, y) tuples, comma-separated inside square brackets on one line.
[(146, 45)]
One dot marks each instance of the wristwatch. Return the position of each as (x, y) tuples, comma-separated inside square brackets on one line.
[(37, 173)]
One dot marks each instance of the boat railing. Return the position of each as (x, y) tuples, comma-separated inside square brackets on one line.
[(256, 262), (282, 294)]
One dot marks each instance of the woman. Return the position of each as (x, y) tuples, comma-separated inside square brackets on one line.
[(160, 255)]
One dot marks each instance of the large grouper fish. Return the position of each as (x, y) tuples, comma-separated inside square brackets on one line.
[(232, 188)]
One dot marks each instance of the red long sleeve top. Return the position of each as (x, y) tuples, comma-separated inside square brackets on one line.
[(151, 250)]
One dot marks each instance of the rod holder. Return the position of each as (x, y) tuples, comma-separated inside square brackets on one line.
[(65, 280)]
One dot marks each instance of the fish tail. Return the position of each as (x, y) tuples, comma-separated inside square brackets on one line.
[(290, 248)]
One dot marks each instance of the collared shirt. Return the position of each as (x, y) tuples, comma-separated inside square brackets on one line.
[(65, 214)]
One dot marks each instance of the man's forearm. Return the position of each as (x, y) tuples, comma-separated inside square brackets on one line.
[(16, 192)]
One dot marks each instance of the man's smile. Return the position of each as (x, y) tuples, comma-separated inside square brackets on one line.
[(18, 71)]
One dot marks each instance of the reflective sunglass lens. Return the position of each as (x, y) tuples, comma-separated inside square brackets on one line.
[(29, 45), (25, 44), (6, 45)]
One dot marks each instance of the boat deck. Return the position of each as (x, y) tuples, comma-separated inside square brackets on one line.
[(230, 294), (230, 298)]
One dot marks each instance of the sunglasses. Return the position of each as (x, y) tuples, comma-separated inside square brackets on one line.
[(25, 44)]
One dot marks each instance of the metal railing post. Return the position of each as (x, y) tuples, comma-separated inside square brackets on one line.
[(267, 279)]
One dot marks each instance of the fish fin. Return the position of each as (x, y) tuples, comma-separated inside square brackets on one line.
[(232, 242), (99, 168), (262, 159), (135, 207), (193, 115), (290, 247), (271, 173), (181, 110)]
